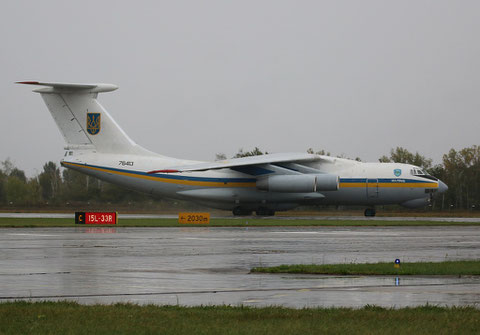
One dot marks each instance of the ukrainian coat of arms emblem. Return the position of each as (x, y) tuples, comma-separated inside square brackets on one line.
[(397, 172), (93, 123)]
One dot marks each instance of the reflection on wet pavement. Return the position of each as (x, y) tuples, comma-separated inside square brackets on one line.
[(207, 265)]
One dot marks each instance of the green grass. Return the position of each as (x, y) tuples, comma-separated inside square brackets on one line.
[(227, 222), (456, 268), (72, 318)]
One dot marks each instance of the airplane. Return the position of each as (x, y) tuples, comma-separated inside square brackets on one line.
[(97, 146)]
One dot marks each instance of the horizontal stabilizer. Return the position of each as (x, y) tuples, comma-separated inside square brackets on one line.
[(69, 87)]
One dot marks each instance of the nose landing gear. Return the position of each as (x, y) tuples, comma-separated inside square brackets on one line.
[(370, 212)]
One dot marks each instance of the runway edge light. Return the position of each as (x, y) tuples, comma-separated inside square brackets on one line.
[(96, 217)]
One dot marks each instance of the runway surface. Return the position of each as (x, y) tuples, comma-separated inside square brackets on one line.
[(202, 265), (331, 218)]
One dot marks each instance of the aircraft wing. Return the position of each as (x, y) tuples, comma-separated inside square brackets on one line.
[(246, 161)]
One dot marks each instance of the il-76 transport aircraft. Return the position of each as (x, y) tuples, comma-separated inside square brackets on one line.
[(97, 146)]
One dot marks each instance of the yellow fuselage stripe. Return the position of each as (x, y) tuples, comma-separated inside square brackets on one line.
[(387, 185), (165, 180), (237, 184)]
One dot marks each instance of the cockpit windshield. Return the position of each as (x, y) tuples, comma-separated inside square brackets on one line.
[(418, 172), (421, 173)]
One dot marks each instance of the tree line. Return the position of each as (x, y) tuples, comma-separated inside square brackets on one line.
[(54, 187), (460, 170)]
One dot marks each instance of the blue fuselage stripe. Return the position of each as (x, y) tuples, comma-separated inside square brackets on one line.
[(169, 176), (240, 180), (382, 180)]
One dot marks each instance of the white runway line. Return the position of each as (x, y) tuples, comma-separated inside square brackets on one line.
[(37, 235)]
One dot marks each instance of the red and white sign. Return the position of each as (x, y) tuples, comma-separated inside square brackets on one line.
[(96, 218)]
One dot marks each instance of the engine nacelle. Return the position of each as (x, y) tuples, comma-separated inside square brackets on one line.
[(299, 183), (327, 182)]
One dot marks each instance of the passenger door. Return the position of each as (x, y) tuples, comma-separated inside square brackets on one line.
[(372, 188)]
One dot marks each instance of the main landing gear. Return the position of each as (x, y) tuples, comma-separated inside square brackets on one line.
[(370, 212), (239, 211), (262, 211)]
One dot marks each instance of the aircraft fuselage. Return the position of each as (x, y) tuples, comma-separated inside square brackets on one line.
[(365, 184)]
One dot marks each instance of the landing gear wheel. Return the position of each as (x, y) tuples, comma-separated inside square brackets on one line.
[(263, 211), (370, 212), (239, 211)]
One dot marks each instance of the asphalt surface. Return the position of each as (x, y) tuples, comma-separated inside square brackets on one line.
[(208, 265), (331, 218)]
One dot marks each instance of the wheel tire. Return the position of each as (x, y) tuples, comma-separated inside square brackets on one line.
[(239, 211), (263, 211)]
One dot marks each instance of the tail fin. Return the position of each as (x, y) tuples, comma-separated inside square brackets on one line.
[(83, 122)]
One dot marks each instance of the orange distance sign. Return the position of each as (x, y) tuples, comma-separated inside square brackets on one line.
[(194, 218), (96, 218)]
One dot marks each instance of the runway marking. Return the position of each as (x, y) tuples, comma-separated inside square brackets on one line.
[(35, 273), (342, 232), (207, 239), (320, 233), (25, 234)]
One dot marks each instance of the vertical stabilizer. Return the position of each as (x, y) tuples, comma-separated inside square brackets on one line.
[(83, 122)]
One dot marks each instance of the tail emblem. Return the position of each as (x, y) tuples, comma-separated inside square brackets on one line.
[(93, 123)]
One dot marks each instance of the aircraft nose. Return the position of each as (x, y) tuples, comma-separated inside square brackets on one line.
[(442, 187)]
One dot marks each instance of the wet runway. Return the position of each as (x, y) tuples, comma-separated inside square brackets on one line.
[(318, 217), (208, 265)]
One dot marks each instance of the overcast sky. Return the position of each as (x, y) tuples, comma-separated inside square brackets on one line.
[(198, 78)]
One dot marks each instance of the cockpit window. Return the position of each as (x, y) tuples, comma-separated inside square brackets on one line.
[(419, 172)]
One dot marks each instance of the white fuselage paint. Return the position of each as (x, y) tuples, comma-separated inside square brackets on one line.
[(96, 145), (365, 184)]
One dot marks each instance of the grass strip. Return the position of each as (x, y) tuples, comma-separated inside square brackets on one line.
[(72, 318), (454, 268), (225, 222)]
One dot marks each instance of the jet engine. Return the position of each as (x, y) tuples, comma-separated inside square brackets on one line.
[(301, 183)]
